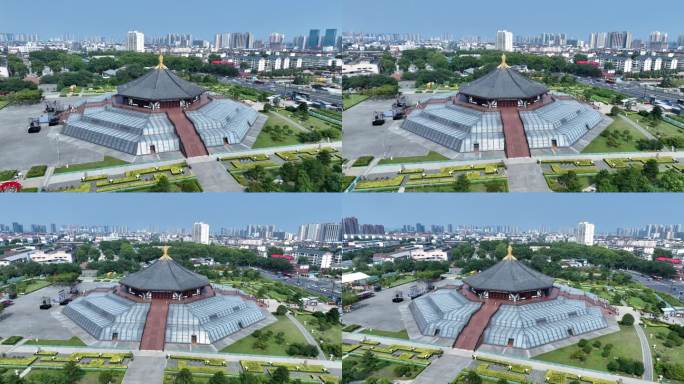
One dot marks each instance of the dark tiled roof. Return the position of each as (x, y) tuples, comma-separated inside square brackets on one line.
[(160, 84), (503, 84), (165, 275), (509, 275)]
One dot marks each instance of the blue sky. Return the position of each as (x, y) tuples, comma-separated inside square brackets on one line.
[(472, 18), (527, 210), (140, 210), (287, 211), (202, 18)]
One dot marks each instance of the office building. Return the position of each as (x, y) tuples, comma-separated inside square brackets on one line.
[(200, 233)]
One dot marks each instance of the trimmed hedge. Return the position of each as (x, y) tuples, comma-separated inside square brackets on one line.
[(12, 340), (36, 171)]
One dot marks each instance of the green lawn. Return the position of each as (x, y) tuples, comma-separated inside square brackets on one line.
[(625, 344), (292, 335), (32, 286), (3, 103), (332, 335), (384, 369), (553, 184), (362, 161), (73, 342), (91, 377), (656, 336), (431, 156), (7, 175), (661, 130), (311, 123), (264, 139), (106, 163), (351, 99), (474, 187), (600, 145), (394, 334)]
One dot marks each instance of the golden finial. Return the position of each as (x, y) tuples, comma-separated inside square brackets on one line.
[(510, 256), (503, 64), (165, 256), (161, 62)]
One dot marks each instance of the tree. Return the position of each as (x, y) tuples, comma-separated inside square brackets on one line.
[(106, 377), (281, 310), (472, 378), (462, 184), (184, 376), (280, 376), (162, 185), (570, 182), (627, 319), (656, 113), (672, 181), (615, 111), (651, 170), (218, 378), (72, 373)]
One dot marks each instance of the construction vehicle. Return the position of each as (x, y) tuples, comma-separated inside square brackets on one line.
[(10, 186), (398, 297), (34, 125)]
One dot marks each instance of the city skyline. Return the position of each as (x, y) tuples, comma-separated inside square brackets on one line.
[(84, 20), (139, 211), (412, 17), (607, 211)]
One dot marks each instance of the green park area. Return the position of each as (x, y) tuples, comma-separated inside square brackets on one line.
[(276, 132), (403, 334), (42, 376), (371, 359), (72, 342), (3, 103), (598, 352), (274, 340), (7, 174), (107, 162), (326, 333), (351, 99), (167, 178), (620, 136), (363, 161), (429, 157), (265, 288), (667, 346), (661, 129), (27, 286)]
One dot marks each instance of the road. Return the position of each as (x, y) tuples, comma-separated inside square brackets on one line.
[(672, 287), (536, 365), (633, 89), (320, 286), (287, 89), (645, 352)]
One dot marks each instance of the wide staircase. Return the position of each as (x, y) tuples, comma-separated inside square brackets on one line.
[(154, 333), (471, 334), (191, 143), (514, 133)]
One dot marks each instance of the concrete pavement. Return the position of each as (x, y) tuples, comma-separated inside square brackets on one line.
[(645, 352), (145, 370), (525, 175), (213, 177)]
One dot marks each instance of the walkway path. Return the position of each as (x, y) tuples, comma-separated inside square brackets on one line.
[(214, 177), (443, 370), (469, 337), (525, 175), (514, 133), (190, 141), (154, 334), (294, 123), (309, 338), (145, 370), (638, 127), (645, 352)]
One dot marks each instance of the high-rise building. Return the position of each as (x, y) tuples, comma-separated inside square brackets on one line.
[(658, 41), (330, 37), (330, 232), (313, 42), (17, 228), (619, 40), (299, 43), (200, 233), (135, 41), (350, 226), (585, 233), (504, 41), (597, 40), (276, 40)]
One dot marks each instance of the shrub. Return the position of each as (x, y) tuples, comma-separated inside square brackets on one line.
[(627, 319), (36, 171)]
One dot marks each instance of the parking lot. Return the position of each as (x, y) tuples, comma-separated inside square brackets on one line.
[(25, 318)]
